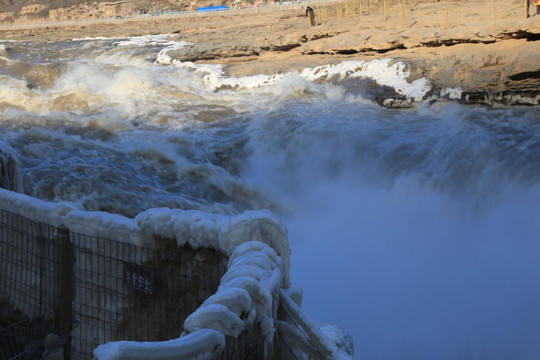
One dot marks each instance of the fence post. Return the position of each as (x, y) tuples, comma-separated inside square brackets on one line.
[(403, 14), (66, 289), (317, 338)]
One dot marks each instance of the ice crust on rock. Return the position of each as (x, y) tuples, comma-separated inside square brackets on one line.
[(387, 72), (383, 71)]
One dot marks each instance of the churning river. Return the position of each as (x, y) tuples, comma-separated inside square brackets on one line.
[(417, 230)]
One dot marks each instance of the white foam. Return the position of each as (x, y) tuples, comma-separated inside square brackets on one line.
[(144, 40), (94, 38)]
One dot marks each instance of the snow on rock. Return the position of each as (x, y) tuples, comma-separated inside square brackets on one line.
[(253, 270), (221, 232), (199, 345), (35, 209)]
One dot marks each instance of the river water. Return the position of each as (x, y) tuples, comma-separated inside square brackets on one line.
[(416, 230)]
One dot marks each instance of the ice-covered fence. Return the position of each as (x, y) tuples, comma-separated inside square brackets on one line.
[(28, 271), (114, 290), (124, 279), (125, 291), (237, 322), (299, 335)]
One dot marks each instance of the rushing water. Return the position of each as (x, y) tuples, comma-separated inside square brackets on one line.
[(416, 230)]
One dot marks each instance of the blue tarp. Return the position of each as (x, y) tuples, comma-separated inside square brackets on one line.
[(212, 8)]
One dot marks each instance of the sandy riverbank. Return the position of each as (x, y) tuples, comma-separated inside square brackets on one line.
[(481, 51)]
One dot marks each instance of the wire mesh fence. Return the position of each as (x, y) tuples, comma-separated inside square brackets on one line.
[(35, 338), (113, 290)]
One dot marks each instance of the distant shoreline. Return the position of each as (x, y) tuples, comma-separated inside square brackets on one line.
[(500, 58)]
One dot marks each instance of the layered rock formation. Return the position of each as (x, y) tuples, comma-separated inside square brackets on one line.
[(482, 58)]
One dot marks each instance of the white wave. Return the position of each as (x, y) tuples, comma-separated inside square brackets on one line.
[(94, 38), (145, 40), (163, 57)]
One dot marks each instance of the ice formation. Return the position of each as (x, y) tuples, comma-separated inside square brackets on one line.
[(220, 232), (387, 72), (333, 343), (258, 250), (199, 345), (245, 294), (35, 209), (383, 71)]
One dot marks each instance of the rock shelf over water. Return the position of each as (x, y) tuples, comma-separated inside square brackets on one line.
[(478, 57)]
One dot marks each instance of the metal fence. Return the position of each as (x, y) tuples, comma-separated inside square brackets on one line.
[(112, 290), (421, 13)]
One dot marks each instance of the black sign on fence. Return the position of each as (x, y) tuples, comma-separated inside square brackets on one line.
[(138, 278)]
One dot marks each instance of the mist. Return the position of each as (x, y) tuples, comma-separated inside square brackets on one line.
[(414, 259)]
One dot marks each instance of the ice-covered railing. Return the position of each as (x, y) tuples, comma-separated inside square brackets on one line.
[(248, 296), (300, 335)]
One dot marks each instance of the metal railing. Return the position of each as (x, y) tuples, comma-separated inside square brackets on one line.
[(113, 290)]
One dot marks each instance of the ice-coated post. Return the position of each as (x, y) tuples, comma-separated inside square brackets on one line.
[(66, 293)]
